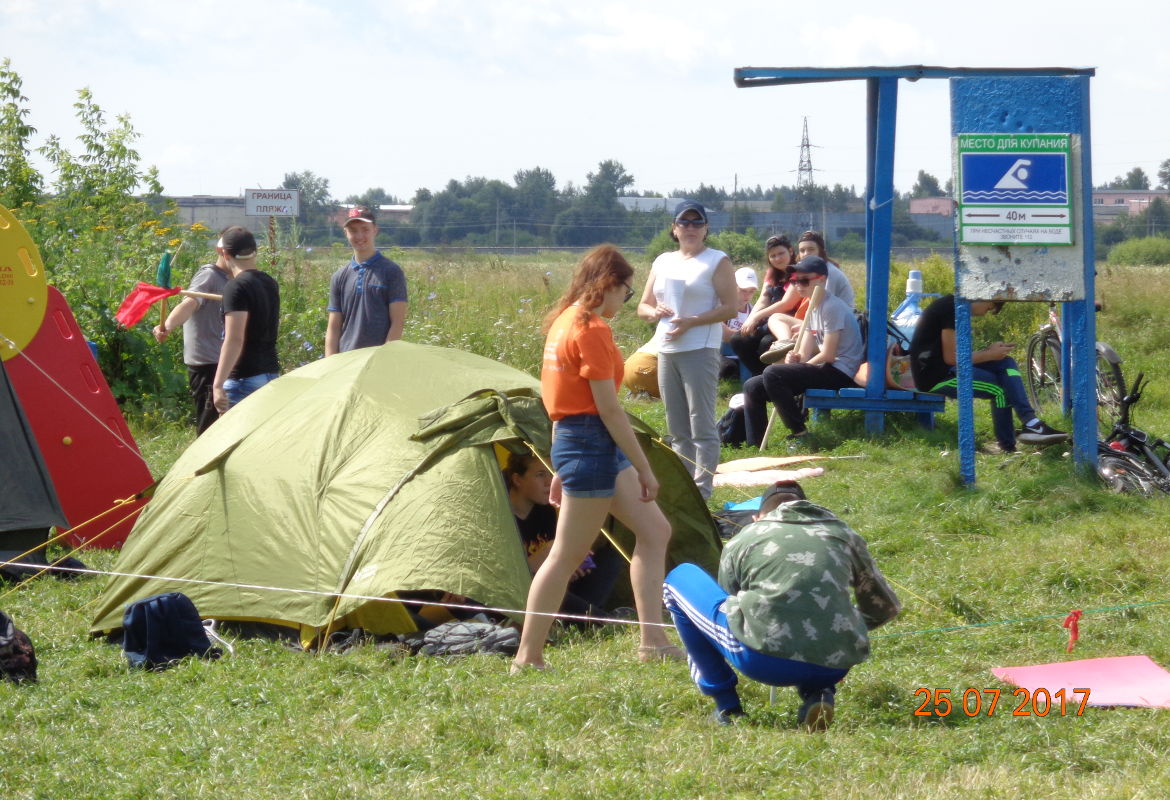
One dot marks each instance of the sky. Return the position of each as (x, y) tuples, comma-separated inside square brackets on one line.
[(405, 94)]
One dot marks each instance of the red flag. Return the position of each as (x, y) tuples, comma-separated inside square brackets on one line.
[(139, 301), (1074, 630)]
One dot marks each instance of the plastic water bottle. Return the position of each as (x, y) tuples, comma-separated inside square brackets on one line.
[(905, 319), (907, 314)]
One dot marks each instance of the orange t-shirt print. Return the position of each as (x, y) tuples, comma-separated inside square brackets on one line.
[(575, 354)]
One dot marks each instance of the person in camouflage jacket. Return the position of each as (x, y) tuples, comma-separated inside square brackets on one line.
[(781, 612)]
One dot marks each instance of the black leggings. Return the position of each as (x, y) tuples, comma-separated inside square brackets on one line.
[(781, 384), (749, 347)]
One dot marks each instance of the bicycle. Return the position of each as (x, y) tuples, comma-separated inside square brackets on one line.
[(1129, 459), (1043, 378)]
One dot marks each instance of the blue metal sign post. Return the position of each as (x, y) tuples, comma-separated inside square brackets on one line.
[(1022, 150)]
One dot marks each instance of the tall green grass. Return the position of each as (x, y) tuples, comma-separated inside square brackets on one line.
[(986, 575)]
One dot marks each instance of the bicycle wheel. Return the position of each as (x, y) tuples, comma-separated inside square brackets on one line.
[(1042, 381), (1125, 474), (1110, 390)]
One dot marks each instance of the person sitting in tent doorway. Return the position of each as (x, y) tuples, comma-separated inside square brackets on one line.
[(600, 466), (780, 612), (529, 482)]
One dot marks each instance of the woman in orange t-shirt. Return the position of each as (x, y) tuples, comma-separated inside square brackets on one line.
[(600, 468)]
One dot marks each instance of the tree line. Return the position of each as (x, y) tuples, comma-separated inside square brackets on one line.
[(532, 210)]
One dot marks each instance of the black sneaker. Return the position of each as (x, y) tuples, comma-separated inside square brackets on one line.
[(728, 716), (798, 443), (1040, 433), (816, 713)]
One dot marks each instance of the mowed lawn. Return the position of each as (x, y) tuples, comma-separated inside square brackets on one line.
[(986, 574)]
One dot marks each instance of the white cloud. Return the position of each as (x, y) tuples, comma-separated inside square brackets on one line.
[(230, 93), (866, 40)]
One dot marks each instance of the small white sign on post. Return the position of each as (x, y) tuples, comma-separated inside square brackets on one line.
[(272, 202)]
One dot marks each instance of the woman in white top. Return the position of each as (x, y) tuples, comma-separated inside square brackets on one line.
[(689, 293)]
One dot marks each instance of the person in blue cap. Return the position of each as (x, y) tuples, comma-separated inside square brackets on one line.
[(827, 358)]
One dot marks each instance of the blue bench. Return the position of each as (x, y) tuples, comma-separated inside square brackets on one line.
[(923, 404)]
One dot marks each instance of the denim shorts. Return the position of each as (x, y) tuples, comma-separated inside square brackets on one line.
[(585, 457), (237, 389)]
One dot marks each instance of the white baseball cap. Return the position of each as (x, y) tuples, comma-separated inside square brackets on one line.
[(745, 278)]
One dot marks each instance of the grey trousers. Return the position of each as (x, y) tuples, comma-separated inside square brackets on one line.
[(689, 383)]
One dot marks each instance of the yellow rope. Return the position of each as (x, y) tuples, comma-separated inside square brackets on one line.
[(58, 560)]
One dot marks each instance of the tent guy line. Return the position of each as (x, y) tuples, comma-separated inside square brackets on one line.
[(340, 595), (610, 620)]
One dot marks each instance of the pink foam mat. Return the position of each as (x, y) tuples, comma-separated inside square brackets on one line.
[(1114, 681)]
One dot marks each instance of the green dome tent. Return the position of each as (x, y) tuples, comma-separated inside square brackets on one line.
[(355, 477)]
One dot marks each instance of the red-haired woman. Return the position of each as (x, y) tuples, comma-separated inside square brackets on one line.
[(600, 468)]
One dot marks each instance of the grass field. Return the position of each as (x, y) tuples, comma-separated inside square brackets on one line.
[(986, 576)]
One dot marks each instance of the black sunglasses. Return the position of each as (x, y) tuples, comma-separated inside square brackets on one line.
[(803, 281), (629, 293), (689, 223)]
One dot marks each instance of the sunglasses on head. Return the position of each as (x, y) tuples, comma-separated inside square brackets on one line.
[(689, 223)]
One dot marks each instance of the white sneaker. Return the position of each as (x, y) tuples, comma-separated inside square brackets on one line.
[(777, 351)]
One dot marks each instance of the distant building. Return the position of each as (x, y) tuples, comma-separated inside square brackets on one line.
[(386, 213), (666, 204), (943, 206), (749, 205), (215, 211), (1109, 204)]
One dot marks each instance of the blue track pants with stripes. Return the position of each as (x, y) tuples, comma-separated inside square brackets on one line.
[(1000, 382), (695, 601)]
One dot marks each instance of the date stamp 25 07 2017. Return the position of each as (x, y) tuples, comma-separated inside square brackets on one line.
[(1023, 703)]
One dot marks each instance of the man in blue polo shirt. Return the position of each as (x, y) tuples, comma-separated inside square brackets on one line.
[(367, 297)]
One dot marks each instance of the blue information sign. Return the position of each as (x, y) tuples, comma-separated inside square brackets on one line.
[(1014, 189), (1031, 179)]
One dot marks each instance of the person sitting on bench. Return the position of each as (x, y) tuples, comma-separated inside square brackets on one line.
[(995, 375), (827, 358)]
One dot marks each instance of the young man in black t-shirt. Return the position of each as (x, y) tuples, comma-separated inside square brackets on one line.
[(996, 376), (251, 308)]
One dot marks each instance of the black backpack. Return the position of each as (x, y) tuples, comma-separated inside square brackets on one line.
[(161, 629), (18, 660), (732, 427)]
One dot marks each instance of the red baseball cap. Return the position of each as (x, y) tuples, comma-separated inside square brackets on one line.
[(359, 213)]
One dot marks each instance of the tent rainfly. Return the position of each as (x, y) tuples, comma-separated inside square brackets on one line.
[(355, 477)]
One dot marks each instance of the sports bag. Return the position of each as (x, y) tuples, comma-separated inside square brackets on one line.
[(18, 660), (462, 638), (159, 630)]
